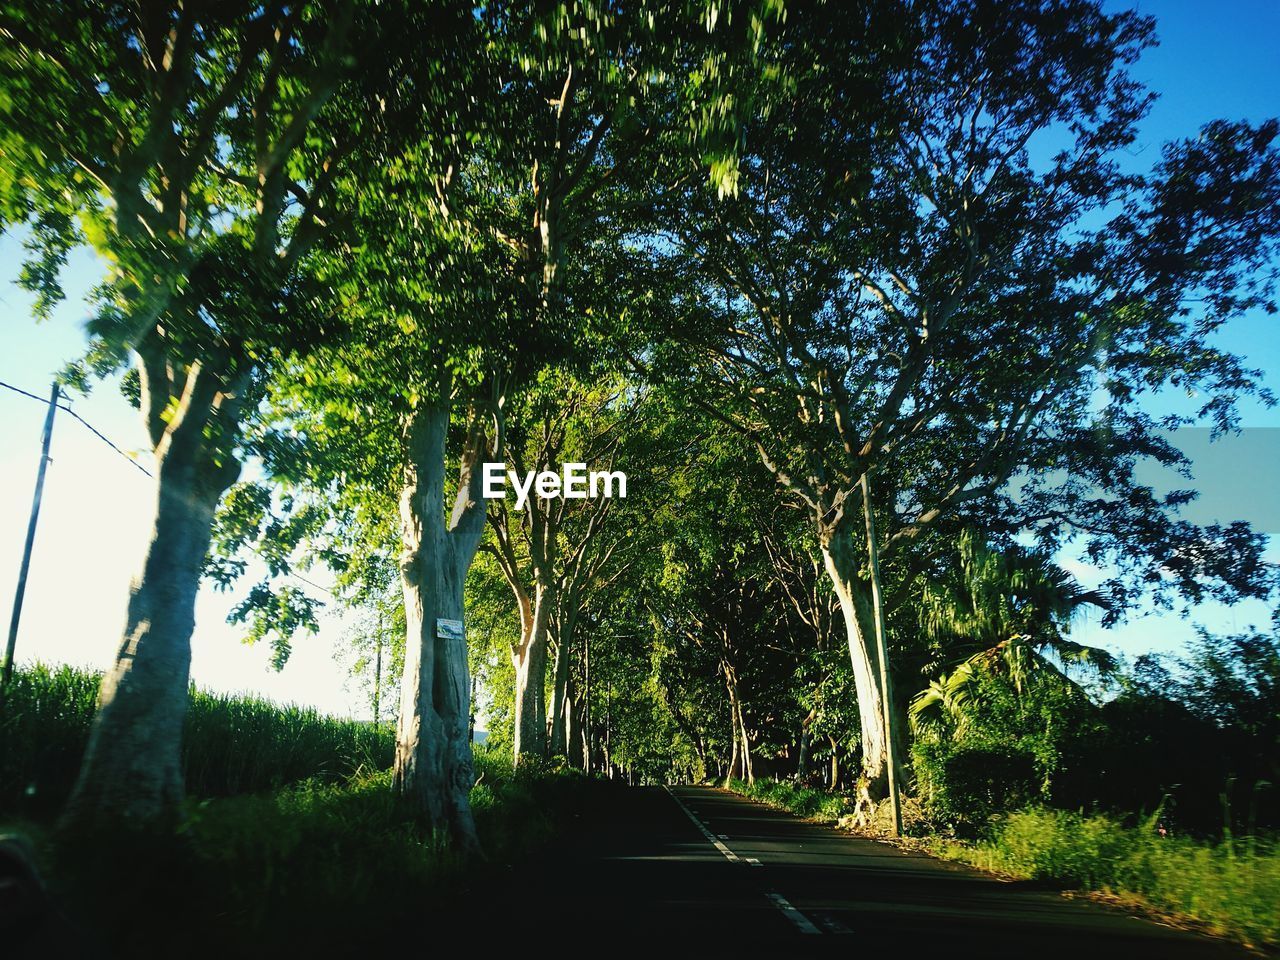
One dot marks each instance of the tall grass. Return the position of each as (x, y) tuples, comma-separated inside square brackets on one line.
[(231, 745), (317, 868), (1232, 886)]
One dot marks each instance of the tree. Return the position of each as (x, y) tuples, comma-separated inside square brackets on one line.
[(906, 284), (1005, 612), (455, 292), (200, 148), (551, 551)]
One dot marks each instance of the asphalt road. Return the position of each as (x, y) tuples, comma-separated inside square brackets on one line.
[(701, 864)]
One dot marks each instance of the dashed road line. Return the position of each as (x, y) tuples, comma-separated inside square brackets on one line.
[(702, 827), (801, 922), (831, 924)]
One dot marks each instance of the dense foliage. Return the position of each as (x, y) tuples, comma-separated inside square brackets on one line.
[(876, 304)]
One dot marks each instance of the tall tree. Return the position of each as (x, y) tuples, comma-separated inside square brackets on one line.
[(934, 265), (548, 549), (199, 148)]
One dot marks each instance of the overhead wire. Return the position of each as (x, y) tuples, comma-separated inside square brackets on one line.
[(99, 434)]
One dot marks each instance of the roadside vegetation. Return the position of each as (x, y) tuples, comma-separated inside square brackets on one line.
[(1229, 886), (323, 865), (1162, 793), (231, 745), (885, 310), (291, 834), (1232, 886)]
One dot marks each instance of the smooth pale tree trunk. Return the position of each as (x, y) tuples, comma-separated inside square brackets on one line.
[(882, 655), (530, 661), (562, 706), (841, 561), (131, 773), (748, 770), (733, 759), (805, 746), (433, 763), (740, 765)]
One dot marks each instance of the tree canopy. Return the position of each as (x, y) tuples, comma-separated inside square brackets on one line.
[(868, 301)]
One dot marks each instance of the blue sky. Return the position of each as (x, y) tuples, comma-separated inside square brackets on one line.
[(1214, 60)]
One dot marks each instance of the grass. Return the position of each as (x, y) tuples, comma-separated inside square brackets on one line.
[(1232, 886), (802, 801), (294, 839), (232, 744), (317, 867), (825, 806)]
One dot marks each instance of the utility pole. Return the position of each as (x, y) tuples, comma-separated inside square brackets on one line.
[(882, 652), (54, 394), (377, 677), (588, 729)]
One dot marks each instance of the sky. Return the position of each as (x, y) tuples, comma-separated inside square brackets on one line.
[(96, 516), (1214, 60)]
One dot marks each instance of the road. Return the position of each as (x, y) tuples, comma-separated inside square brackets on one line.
[(701, 864)]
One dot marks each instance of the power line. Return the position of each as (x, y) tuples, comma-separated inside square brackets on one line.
[(98, 433), (92, 429), (298, 576), (23, 392)]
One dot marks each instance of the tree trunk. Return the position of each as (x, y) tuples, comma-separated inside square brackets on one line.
[(531, 680), (806, 739), (740, 765), (561, 697), (575, 734), (584, 749), (882, 656), (733, 735), (841, 561), (560, 723), (748, 771), (132, 767), (588, 728), (433, 750)]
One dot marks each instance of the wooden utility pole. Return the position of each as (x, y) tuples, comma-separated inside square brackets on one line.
[(377, 677), (882, 651), (54, 394)]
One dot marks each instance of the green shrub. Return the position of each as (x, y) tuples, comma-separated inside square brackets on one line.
[(231, 745), (962, 787)]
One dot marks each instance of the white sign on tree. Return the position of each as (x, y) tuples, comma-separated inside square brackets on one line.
[(448, 629)]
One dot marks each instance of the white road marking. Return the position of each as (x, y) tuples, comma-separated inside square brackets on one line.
[(791, 913), (702, 827), (802, 923)]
